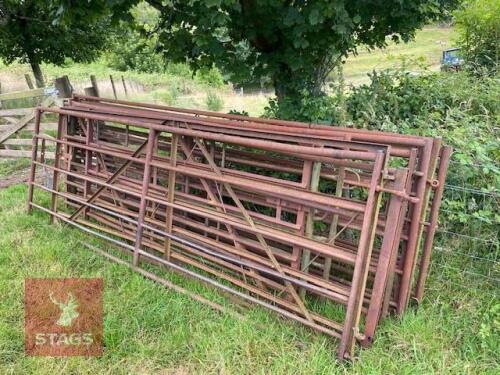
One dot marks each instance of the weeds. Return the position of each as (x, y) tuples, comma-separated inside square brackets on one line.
[(214, 102)]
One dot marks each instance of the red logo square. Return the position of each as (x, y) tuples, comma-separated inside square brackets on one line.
[(63, 317)]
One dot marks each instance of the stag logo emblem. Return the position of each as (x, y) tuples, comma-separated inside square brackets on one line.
[(68, 310)]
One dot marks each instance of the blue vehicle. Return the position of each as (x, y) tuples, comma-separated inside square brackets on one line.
[(452, 60)]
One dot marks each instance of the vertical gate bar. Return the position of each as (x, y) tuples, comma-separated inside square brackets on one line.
[(171, 191), (407, 209), (144, 191), (333, 226), (309, 230), (389, 245), (55, 177), (34, 150), (360, 273), (300, 221), (428, 165), (434, 216), (88, 159), (155, 169)]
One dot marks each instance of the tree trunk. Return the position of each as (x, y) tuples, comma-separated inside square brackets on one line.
[(294, 85), (37, 72)]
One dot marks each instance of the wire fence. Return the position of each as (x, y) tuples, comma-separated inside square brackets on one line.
[(467, 241)]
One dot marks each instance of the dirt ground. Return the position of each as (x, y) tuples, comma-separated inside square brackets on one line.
[(19, 177)]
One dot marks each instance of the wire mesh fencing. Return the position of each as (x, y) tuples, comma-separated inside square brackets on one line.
[(467, 242)]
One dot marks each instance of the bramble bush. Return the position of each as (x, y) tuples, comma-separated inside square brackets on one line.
[(459, 107), (462, 108), (210, 77)]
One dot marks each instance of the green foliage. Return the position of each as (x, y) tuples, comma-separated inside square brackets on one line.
[(490, 329), (321, 109), (180, 70), (167, 96), (478, 24), (135, 45), (210, 77), (461, 108), (308, 108), (236, 112), (131, 50), (214, 102)]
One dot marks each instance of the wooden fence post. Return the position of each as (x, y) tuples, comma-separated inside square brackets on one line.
[(29, 81), (64, 87), (93, 81), (124, 87), (113, 86), (90, 91)]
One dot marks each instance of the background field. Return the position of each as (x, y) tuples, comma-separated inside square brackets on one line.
[(186, 92), (426, 49)]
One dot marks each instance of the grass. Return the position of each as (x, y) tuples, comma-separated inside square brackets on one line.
[(149, 329), (426, 48), (10, 166)]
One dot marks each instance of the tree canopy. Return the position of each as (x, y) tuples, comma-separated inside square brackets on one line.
[(31, 32), (294, 43)]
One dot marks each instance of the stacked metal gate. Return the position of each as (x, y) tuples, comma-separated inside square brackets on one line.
[(321, 224)]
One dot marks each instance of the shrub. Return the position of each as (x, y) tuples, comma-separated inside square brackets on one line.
[(167, 96), (134, 46), (459, 107), (236, 112), (319, 109), (179, 70), (210, 77), (132, 51), (214, 102), (478, 24)]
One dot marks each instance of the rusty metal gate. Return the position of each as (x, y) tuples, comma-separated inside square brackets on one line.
[(291, 216)]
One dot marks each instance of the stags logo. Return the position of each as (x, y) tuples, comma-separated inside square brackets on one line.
[(63, 317), (68, 310)]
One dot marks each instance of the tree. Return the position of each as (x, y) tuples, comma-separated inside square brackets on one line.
[(295, 43), (134, 46), (478, 25), (31, 32)]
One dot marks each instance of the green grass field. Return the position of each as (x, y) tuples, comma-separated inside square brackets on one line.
[(149, 329)]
